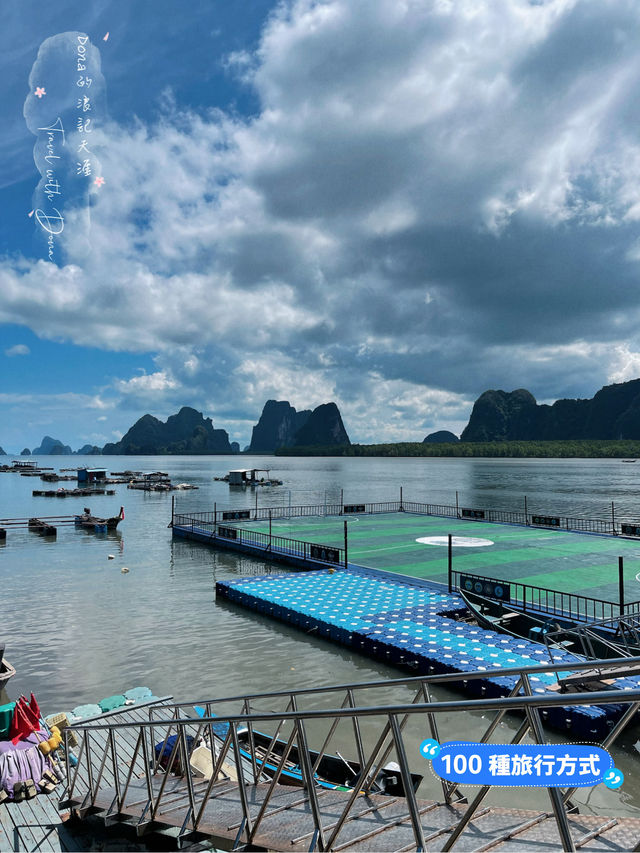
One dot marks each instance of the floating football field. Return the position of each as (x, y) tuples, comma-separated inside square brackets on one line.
[(416, 545)]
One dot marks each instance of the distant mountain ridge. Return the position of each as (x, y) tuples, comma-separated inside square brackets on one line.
[(442, 436), (277, 426), (188, 432), (280, 426), (613, 413), (52, 447), (322, 428)]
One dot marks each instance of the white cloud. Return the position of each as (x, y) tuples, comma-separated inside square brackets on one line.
[(60, 402), (433, 199), (17, 349), (146, 383), (625, 364)]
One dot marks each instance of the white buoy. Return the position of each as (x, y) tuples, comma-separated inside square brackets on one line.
[(124, 570), (111, 557)]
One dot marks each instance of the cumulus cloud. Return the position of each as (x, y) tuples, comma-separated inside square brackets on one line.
[(146, 383), (434, 199), (17, 349), (44, 402)]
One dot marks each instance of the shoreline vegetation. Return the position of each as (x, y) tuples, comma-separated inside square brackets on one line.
[(582, 449)]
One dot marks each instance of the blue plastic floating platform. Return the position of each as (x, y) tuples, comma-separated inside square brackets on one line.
[(413, 627)]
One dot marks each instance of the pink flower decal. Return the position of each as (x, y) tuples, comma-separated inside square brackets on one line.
[(39, 92), (99, 182)]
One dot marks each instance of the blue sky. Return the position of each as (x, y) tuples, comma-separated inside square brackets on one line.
[(393, 205)]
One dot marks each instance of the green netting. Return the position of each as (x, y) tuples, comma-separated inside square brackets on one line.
[(111, 703)]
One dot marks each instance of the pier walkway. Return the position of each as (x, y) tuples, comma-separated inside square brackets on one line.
[(40, 825), (248, 808)]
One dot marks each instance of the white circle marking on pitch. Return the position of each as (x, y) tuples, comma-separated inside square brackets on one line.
[(456, 541)]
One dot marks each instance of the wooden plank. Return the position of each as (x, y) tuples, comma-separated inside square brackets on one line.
[(587, 676), (27, 831), (125, 743), (6, 829), (41, 823), (20, 838)]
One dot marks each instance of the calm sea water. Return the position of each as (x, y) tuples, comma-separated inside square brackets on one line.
[(77, 629)]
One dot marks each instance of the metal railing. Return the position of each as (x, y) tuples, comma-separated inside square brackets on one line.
[(150, 793), (548, 601), (612, 526), (540, 599), (269, 543), (604, 638)]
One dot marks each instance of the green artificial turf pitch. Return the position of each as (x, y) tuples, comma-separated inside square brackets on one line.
[(563, 561)]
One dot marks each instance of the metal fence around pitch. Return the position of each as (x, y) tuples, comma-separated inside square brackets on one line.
[(269, 543), (613, 526), (548, 601), (216, 526)]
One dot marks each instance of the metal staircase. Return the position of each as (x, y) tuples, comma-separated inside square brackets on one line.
[(202, 775)]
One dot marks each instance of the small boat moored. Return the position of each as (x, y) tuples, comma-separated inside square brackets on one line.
[(332, 772), (6, 670), (98, 525), (496, 615)]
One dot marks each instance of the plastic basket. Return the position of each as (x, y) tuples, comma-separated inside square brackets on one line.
[(62, 722)]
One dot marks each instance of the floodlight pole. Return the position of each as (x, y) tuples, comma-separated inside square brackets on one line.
[(346, 562)]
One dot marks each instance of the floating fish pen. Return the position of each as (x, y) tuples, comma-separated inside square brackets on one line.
[(52, 477), (47, 526), (70, 493), (42, 527), (26, 469)]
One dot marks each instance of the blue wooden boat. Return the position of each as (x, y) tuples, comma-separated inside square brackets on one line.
[(333, 771)]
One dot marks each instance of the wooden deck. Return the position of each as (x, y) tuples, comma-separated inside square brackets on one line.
[(378, 823), (39, 825)]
